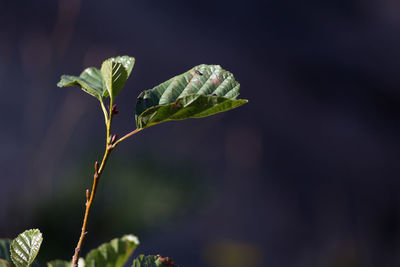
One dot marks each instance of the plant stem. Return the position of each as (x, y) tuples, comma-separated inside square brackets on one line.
[(104, 111), (96, 177), (89, 202), (109, 121), (127, 136)]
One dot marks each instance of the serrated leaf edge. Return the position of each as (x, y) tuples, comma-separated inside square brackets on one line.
[(23, 245)]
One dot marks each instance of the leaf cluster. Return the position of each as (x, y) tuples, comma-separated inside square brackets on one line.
[(202, 91), (22, 251)]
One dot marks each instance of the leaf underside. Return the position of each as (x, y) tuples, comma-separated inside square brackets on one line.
[(114, 75), (112, 254), (25, 247), (91, 81), (203, 91)]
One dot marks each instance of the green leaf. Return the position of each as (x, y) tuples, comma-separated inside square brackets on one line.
[(5, 249), (203, 91), (115, 72), (152, 261), (4, 263), (112, 254), (25, 247), (59, 263), (91, 81), (98, 83), (126, 61), (145, 261)]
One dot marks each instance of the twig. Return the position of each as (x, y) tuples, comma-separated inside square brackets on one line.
[(111, 143)]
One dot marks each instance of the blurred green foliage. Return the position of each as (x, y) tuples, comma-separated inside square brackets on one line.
[(137, 194)]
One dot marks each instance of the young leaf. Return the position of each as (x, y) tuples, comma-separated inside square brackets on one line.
[(5, 249), (91, 81), (59, 263), (25, 247), (152, 261), (203, 91), (115, 72), (126, 61), (112, 254)]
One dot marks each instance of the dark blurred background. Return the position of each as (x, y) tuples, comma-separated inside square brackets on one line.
[(306, 174)]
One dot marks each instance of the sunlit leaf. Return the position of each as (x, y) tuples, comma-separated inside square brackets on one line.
[(100, 83), (153, 261), (112, 254), (59, 263), (91, 81), (127, 62), (203, 91), (115, 72), (25, 247)]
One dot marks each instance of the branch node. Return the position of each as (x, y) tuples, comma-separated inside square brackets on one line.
[(96, 167), (113, 139), (114, 110), (87, 195)]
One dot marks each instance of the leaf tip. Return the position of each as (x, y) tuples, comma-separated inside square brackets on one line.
[(61, 83), (131, 238)]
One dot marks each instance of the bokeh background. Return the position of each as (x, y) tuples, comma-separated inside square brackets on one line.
[(306, 174)]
